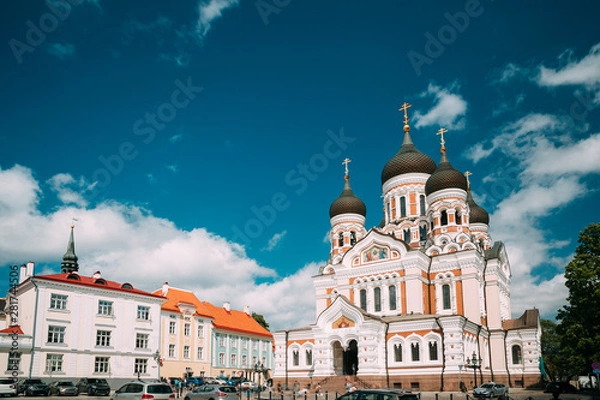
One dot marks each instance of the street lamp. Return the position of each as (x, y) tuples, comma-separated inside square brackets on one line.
[(260, 369), (474, 363)]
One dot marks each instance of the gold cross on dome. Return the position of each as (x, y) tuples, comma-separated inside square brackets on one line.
[(467, 175), (405, 108), (441, 133), (73, 220), (345, 163)]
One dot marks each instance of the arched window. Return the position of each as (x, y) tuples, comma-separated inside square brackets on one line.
[(433, 351), (398, 352), (389, 213), (308, 357), (392, 292), (341, 239), (422, 204), (377, 295), (458, 217), (406, 235), (402, 206), (423, 232), (296, 358), (415, 352), (444, 217), (363, 299), (446, 297), (352, 238), (516, 355)]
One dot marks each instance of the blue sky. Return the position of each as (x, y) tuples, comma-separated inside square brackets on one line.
[(200, 142)]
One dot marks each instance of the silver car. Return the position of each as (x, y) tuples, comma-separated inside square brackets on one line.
[(491, 389), (63, 388), (139, 390), (8, 387), (213, 392)]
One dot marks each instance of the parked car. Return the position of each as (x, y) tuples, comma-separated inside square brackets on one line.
[(556, 388), (195, 381), (93, 386), (379, 394), (63, 388), (139, 390), (490, 390), (8, 387), (213, 392), (32, 387)]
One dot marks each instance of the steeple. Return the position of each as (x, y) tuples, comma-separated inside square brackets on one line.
[(69, 263)]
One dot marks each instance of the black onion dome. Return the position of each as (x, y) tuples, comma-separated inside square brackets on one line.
[(476, 214), (407, 160), (347, 203), (445, 177)]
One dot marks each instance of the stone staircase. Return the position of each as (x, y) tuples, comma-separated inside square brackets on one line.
[(337, 384)]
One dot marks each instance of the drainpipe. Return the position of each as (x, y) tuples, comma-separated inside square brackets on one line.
[(429, 286), (286, 359), (437, 321), (506, 360), (479, 351), (35, 320), (385, 341)]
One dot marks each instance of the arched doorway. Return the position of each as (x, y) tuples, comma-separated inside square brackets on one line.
[(345, 362), (338, 358)]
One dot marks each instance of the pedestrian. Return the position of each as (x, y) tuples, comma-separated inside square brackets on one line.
[(177, 385), (296, 387), (348, 384)]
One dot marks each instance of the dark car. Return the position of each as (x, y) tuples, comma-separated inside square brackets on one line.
[(490, 390), (33, 387), (379, 394), (93, 386), (556, 388), (63, 388)]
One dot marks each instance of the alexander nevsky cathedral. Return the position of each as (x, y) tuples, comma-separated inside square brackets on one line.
[(420, 302)]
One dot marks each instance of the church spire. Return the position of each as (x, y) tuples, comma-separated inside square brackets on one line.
[(69, 263)]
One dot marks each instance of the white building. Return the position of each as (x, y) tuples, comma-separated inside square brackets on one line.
[(85, 326), (412, 302)]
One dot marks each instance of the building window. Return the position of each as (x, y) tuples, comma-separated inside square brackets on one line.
[(200, 331), (363, 299), (403, 206), (352, 238), (101, 365), (56, 334), (406, 233), (143, 312), (140, 366), (186, 351), (221, 358), (398, 352), (186, 329), (458, 217), (516, 355), (171, 350), (141, 341), (446, 296), (341, 239), (444, 218), (422, 204), (433, 351), (105, 307), (423, 232), (58, 302), (392, 292), (295, 358), (172, 327), (14, 361), (389, 212), (233, 360), (103, 338), (234, 341), (222, 341), (377, 295), (254, 360), (244, 360), (415, 351), (256, 345), (309, 357), (244, 344), (200, 353), (54, 362)]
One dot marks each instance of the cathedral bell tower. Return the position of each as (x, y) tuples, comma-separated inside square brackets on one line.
[(347, 215)]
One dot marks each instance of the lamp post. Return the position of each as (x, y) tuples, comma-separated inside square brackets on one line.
[(474, 363), (260, 369)]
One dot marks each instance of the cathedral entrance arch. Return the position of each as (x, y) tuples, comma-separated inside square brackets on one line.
[(345, 362)]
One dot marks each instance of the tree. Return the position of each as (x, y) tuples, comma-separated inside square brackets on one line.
[(579, 326), (261, 320), (551, 349)]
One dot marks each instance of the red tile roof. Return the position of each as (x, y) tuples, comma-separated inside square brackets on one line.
[(11, 330), (98, 283), (232, 320)]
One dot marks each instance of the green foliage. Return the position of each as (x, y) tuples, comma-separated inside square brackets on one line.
[(579, 327), (261, 320)]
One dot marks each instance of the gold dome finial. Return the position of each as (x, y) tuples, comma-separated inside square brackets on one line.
[(405, 108), (441, 133), (345, 163), (467, 175)]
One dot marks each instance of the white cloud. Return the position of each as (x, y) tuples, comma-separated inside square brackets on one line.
[(510, 71), (583, 72), (176, 138), (209, 11), (448, 110), (68, 190), (61, 50), (128, 243), (274, 241), (174, 168)]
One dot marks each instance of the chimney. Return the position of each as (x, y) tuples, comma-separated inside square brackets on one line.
[(227, 306), (247, 310), (165, 289), (26, 271), (97, 275)]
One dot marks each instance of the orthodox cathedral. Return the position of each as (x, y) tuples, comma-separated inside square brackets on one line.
[(420, 302)]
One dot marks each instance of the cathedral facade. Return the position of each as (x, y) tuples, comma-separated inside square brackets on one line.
[(420, 302)]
